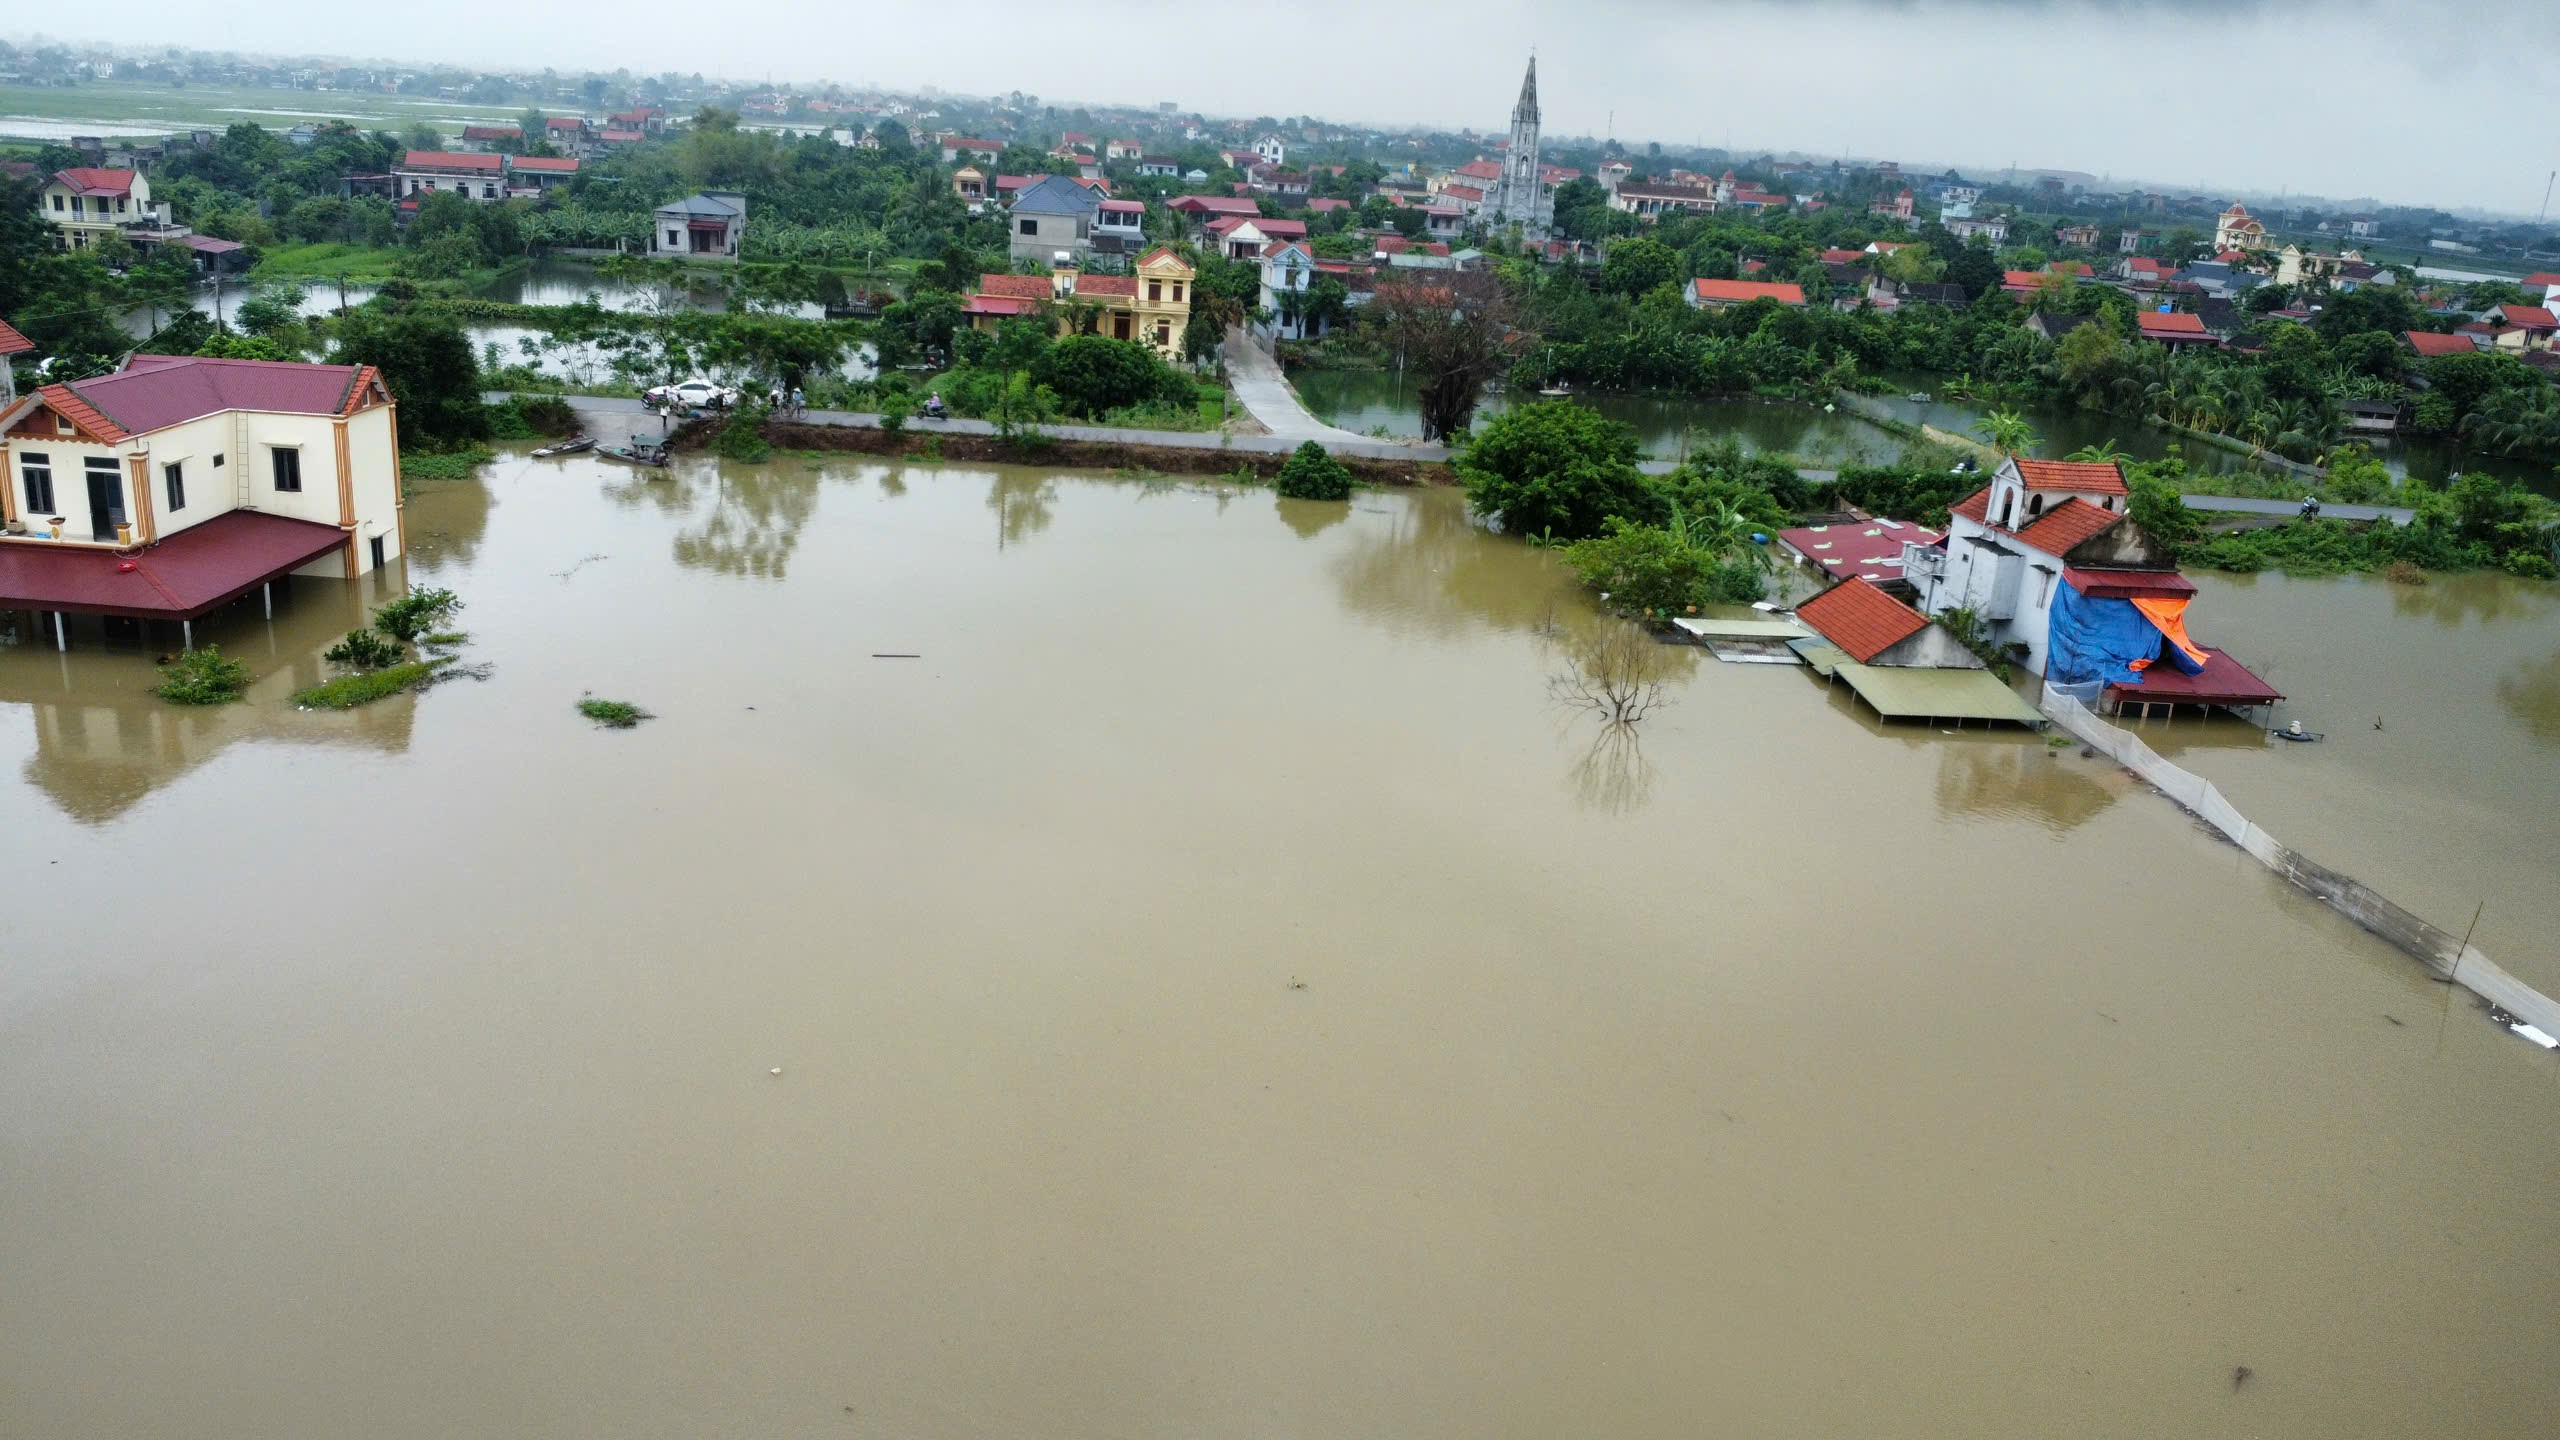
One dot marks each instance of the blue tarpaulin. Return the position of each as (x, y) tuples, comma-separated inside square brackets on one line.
[(2098, 640)]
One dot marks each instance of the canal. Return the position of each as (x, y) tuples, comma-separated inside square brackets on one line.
[(1214, 989)]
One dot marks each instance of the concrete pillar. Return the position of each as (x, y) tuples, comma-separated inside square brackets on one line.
[(60, 640), (186, 634), (267, 597)]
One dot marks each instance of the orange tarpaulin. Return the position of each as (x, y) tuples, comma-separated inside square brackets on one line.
[(2170, 615)]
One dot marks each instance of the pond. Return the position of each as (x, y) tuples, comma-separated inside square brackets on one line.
[(1384, 402), (1211, 987)]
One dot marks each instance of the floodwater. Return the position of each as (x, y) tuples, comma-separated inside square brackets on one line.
[(1215, 991)]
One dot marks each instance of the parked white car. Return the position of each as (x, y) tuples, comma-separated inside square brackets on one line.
[(696, 393)]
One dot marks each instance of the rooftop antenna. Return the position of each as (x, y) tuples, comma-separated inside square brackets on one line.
[(2546, 198)]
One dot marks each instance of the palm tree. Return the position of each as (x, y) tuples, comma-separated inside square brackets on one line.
[(2007, 430), (2103, 452)]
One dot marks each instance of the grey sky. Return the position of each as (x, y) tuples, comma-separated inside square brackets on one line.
[(2421, 101)]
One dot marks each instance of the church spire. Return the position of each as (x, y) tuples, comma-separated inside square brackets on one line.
[(1526, 112)]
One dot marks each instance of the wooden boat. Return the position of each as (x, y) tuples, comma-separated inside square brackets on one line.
[(1555, 391), (568, 447), (635, 454)]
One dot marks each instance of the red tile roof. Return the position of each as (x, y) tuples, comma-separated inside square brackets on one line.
[(1865, 549), (996, 305), (2093, 477), (13, 343), (2176, 322), (91, 180), (1463, 192), (2222, 681), (2427, 343), (1480, 169), (1843, 257), (564, 122), (549, 164), (194, 571), (2544, 278), (2066, 525), (1861, 619), (492, 132), (451, 160), (1975, 507), (1741, 290), (1020, 287), (1213, 205), (2529, 317), (154, 392), (1122, 286)]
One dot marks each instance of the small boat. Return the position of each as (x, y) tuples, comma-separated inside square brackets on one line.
[(1919, 397), (568, 447), (635, 454), (1556, 390), (2295, 731)]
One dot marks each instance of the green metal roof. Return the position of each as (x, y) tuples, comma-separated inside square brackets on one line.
[(1900, 693)]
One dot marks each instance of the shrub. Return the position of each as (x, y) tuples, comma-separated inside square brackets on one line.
[(2401, 572), (1645, 567), (365, 686), (415, 613), (741, 436), (203, 677), (1311, 474), (1092, 374), (1556, 467), (364, 650), (895, 400), (613, 714)]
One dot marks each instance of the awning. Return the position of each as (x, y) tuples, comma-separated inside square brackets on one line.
[(2128, 584), (2222, 681), (199, 569), (1903, 693)]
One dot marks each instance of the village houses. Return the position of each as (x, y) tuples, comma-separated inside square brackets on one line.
[(708, 226), (1151, 305), (86, 205)]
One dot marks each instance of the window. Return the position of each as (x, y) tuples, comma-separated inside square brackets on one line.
[(1030, 227), (1177, 292), (1155, 291), (2035, 505), (675, 237), (173, 478), (217, 462), (57, 202), (37, 469), (288, 469)]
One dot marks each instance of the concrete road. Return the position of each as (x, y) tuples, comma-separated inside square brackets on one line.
[(2246, 505)]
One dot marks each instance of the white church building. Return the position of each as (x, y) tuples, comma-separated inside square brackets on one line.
[(1522, 197)]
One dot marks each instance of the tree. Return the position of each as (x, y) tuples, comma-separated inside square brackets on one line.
[(1633, 267), (2089, 356), (1311, 474), (2007, 430), (1093, 374), (1556, 469), (2158, 511), (428, 363), (1456, 332), (1973, 267)]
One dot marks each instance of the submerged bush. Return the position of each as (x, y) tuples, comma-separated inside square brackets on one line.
[(365, 686), (742, 435), (415, 613), (613, 714), (1311, 474), (203, 677), (365, 650)]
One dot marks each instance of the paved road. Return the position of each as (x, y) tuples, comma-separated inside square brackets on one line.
[(2245, 505)]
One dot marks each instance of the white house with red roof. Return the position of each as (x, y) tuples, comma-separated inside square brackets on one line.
[(475, 177), (1288, 268), (179, 483), (2522, 327), (12, 345), (2047, 558), (2237, 229), (87, 204)]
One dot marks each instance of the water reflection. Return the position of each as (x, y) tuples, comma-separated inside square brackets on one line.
[(2532, 695), (2450, 600), (1428, 570), (2020, 779), (104, 741), (1023, 503), (752, 520), (1311, 518), (1613, 774), (460, 511)]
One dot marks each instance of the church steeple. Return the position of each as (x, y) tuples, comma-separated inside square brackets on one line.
[(1526, 112)]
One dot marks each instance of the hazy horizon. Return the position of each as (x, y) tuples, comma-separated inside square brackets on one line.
[(2252, 97)]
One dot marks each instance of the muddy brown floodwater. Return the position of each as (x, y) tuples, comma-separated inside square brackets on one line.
[(1215, 993)]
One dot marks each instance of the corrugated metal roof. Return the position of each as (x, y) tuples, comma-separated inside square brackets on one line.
[(154, 392), (196, 570)]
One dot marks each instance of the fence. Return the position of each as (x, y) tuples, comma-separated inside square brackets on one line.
[(2440, 950)]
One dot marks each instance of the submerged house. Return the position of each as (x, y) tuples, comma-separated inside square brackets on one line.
[(2046, 558), (180, 483)]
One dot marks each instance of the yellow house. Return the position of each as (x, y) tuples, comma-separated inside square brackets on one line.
[(1152, 304), (86, 205)]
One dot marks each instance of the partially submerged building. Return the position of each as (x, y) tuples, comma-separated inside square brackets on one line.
[(181, 483)]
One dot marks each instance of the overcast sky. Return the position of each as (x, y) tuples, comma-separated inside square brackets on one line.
[(2423, 101)]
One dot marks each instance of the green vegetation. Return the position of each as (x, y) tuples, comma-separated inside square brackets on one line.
[(2478, 522), (1555, 469), (413, 614), (741, 436), (613, 714), (1311, 474), (365, 650), (203, 677), (366, 686), (444, 464)]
